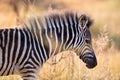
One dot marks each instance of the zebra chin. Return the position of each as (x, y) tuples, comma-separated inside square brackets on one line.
[(89, 59)]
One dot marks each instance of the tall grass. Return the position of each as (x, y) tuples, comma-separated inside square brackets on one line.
[(71, 68), (66, 65)]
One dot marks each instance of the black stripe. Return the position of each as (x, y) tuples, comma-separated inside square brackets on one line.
[(6, 58), (28, 46), (1, 38), (69, 28), (16, 45), (3, 48), (21, 45), (60, 27), (28, 76), (9, 49), (74, 27), (32, 42)]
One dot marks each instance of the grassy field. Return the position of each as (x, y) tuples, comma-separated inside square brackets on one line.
[(106, 41)]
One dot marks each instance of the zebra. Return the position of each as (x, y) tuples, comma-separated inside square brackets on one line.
[(24, 50)]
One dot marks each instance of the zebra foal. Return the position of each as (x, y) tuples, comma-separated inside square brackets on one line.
[(24, 50)]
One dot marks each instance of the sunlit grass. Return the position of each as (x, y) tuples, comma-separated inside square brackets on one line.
[(13, 77), (105, 13), (70, 67)]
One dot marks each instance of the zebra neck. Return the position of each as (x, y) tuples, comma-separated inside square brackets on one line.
[(53, 46)]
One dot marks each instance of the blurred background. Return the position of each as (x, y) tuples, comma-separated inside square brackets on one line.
[(67, 66)]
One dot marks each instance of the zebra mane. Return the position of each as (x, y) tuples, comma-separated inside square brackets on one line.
[(75, 17)]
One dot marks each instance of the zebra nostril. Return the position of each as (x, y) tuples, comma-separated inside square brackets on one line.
[(90, 63), (90, 60)]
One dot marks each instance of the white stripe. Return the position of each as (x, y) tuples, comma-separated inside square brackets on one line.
[(3, 36), (11, 51), (66, 25), (62, 27), (56, 21), (73, 35), (41, 39), (76, 27), (34, 29), (30, 27), (49, 41), (6, 52), (56, 38), (1, 53), (37, 51), (50, 27), (24, 50), (81, 46), (80, 37), (32, 50), (18, 46), (36, 60)]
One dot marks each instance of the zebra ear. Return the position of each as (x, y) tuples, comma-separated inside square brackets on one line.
[(90, 22), (85, 21)]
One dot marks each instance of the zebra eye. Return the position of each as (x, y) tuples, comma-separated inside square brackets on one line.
[(85, 21), (88, 41)]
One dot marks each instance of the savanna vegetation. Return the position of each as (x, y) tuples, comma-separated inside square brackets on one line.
[(67, 66)]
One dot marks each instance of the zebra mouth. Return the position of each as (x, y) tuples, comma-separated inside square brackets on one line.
[(89, 59)]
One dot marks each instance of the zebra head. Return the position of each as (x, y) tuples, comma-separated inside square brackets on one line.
[(80, 38), (67, 31), (86, 51)]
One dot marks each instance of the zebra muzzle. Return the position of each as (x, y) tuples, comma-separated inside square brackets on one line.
[(89, 59)]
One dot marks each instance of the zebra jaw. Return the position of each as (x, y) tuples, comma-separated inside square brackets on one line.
[(89, 59)]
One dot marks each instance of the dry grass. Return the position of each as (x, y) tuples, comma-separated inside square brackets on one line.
[(69, 66)]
